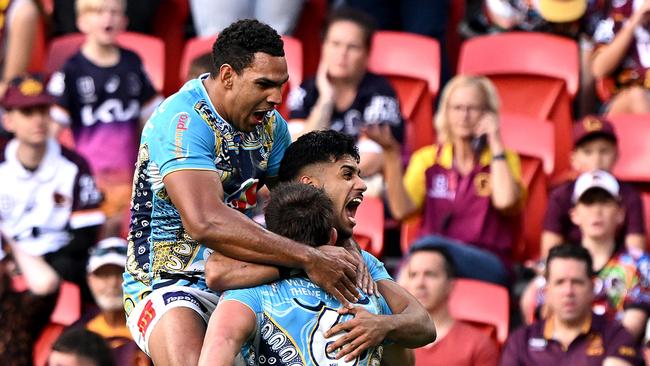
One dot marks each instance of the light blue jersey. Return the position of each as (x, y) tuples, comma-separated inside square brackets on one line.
[(185, 132), (292, 316)]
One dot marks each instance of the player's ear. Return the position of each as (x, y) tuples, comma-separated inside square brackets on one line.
[(226, 75), (333, 236), (305, 179)]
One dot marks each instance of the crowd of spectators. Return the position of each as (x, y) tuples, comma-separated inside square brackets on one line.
[(62, 210)]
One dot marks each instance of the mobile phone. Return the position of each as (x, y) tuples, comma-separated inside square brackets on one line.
[(479, 143)]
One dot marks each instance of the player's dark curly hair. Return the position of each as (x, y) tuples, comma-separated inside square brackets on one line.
[(237, 44), (300, 212), (81, 342), (315, 147)]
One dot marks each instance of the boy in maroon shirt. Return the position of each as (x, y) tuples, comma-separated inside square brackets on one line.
[(595, 147)]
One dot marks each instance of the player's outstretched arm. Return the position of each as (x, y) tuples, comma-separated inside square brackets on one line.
[(231, 324), (198, 196)]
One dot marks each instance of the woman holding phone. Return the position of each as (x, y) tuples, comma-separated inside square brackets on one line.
[(466, 187)]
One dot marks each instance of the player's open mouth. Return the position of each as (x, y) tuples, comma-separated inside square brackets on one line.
[(351, 209), (259, 115)]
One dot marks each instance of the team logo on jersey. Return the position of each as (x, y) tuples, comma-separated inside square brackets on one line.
[(86, 86), (112, 84), (482, 184)]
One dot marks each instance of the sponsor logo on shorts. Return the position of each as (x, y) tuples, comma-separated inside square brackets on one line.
[(183, 296), (148, 314)]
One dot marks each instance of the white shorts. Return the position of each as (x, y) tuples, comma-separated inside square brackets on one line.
[(149, 311)]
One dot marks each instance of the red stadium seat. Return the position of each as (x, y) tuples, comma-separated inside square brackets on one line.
[(308, 31), (409, 232), (481, 302), (527, 244), (198, 46), (530, 136), (536, 74), (412, 64), (369, 231), (150, 49), (605, 88), (66, 312), (632, 132)]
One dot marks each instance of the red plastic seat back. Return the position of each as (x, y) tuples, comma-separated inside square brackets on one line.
[(481, 302), (633, 133), (369, 230), (529, 136), (527, 245)]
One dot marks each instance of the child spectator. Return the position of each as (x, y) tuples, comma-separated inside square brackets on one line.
[(50, 204), (103, 93), (622, 287), (623, 53), (594, 147)]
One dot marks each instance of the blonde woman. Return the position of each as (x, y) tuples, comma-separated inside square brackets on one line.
[(466, 187)]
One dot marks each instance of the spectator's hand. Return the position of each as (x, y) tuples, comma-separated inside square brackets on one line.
[(488, 125), (365, 330), (642, 15), (324, 85), (382, 135), (333, 269)]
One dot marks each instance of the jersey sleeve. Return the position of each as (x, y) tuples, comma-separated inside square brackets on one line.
[(621, 345), (86, 196), (281, 140), (302, 99), (59, 87), (634, 214), (415, 178), (248, 296), (148, 91), (376, 268), (180, 140), (556, 211)]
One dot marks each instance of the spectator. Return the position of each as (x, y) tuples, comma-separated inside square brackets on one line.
[(211, 16), (344, 96), (80, 347), (552, 16), (425, 17), (622, 282), (140, 13), (594, 148), (50, 202), (429, 275), (467, 187), (18, 34), (572, 334), (102, 93), (28, 293), (306, 214), (623, 54), (199, 66), (105, 268)]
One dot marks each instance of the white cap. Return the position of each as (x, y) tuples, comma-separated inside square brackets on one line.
[(596, 179), (108, 251)]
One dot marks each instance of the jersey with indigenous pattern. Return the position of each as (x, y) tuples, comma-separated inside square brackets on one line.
[(185, 132), (292, 317)]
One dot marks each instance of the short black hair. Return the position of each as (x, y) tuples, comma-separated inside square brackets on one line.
[(84, 343), (201, 64), (300, 212), (321, 146), (450, 267), (237, 44), (570, 251), (366, 22)]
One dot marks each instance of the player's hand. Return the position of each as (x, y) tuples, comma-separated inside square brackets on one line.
[(365, 330), (364, 279), (334, 269)]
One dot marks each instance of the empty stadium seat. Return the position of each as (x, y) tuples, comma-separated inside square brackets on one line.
[(150, 49), (481, 302), (369, 230), (633, 132), (66, 312), (527, 243), (530, 136), (409, 232), (536, 74)]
